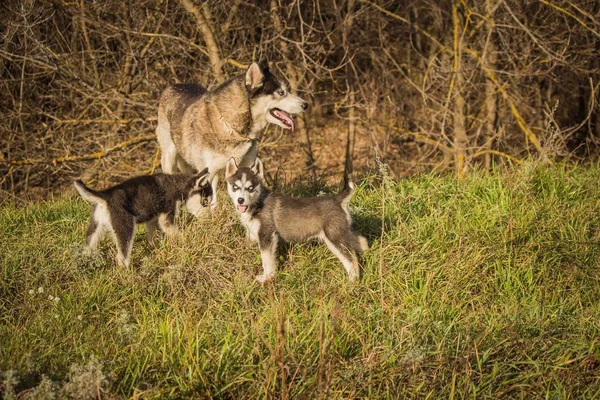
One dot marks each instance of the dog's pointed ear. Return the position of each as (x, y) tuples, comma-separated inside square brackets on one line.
[(231, 167), (202, 179), (258, 168), (254, 76)]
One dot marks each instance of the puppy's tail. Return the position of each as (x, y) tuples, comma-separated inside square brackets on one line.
[(88, 194), (346, 194)]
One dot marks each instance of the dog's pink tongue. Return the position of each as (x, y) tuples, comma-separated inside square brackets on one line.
[(285, 117), (242, 207)]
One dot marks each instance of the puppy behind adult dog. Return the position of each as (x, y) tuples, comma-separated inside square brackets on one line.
[(269, 217), (150, 199), (200, 129)]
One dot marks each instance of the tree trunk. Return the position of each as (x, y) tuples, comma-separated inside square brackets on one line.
[(491, 101), (214, 54), (460, 132), (351, 135)]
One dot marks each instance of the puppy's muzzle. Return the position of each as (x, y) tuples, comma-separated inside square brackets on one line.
[(241, 207)]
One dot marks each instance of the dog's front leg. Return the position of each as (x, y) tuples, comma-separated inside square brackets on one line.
[(268, 254), (213, 184), (251, 232), (248, 153), (166, 223), (250, 238)]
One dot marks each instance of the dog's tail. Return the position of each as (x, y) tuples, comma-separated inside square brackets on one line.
[(346, 194), (88, 194)]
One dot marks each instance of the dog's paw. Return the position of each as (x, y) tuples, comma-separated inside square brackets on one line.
[(262, 278), (364, 243), (122, 262)]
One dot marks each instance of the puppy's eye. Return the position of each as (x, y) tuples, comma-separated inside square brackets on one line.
[(235, 187), (280, 92), (251, 188), (205, 202)]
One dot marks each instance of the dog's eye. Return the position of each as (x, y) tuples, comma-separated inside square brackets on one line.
[(235, 187), (281, 92), (251, 188), (205, 202)]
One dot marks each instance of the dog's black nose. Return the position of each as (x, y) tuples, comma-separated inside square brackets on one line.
[(304, 105), (240, 200)]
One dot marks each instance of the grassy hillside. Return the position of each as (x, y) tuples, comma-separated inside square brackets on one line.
[(483, 288)]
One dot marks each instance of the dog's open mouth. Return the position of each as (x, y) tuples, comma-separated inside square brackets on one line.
[(284, 117), (242, 208)]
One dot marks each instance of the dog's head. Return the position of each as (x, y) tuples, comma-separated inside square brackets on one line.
[(244, 184), (199, 192), (270, 99)]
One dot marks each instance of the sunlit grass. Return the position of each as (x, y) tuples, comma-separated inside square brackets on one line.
[(482, 288)]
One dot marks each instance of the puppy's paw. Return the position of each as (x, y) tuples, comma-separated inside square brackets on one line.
[(122, 261), (262, 278), (363, 243), (88, 251)]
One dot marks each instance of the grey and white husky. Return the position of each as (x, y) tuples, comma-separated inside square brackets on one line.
[(150, 199), (200, 129), (269, 217)]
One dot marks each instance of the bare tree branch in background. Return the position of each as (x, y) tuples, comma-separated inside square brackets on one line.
[(426, 85), (209, 38)]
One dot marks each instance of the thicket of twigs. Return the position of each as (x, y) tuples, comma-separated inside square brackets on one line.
[(450, 84)]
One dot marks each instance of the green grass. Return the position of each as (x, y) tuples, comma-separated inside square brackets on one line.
[(487, 287)]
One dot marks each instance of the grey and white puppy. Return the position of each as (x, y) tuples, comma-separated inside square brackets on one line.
[(269, 217), (199, 128), (150, 199)]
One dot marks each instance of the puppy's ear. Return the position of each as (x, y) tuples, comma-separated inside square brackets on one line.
[(231, 167), (254, 76), (202, 179), (258, 168)]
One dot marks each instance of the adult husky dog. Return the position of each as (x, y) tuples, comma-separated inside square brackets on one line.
[(269, 217), (200, 129)]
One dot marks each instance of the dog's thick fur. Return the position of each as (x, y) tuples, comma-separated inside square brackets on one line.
[(150, 199), (200, 129), (269, 217)]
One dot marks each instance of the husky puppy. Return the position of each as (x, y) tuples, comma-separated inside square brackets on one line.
[(269, 217), (150, 199), (200, 129)]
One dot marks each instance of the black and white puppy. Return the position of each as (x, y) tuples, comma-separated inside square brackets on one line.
[(269, 217), (150, 199)]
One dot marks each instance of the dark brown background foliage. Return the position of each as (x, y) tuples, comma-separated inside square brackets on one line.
[(421, 84)]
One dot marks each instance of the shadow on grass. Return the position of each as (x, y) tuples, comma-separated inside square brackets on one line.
[(370, 226)]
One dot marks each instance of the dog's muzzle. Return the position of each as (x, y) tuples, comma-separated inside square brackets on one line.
[(284, 117), (241, 207)]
